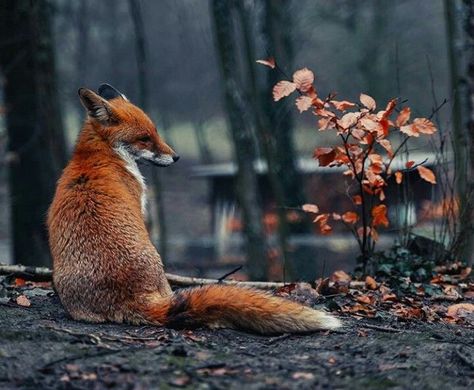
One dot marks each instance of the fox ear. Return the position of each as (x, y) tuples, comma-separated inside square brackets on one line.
[(97, 107), (108, 92)]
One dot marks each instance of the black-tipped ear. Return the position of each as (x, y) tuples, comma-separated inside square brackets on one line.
[(108, 92), (97, 107)]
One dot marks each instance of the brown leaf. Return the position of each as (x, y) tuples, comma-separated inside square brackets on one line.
[(303, 375), (426, 174), (386, 144), (357, 199), (409, 164), (303, 79), (364, 299), (368, 101), (283, 88), (303, 103), (270, 62), (310, 208), (325, 156), (22, 300)]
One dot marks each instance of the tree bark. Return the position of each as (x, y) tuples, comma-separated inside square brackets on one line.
[(34, 123), (245, 148), (143, 82)]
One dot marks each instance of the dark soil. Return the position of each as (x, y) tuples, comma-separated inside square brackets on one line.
[(42, 348)]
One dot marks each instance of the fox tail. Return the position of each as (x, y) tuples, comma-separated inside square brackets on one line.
[(220, 306)]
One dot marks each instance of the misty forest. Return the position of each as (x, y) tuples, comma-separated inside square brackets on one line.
[(226, 193)]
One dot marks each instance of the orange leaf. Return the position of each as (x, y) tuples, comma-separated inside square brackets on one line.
[(342, 105), (398, 177), (303, 103), (364, 299), (348, 120), (322, 219), (270, 62), (409, 164), (350, 217), (426, 174), (310, 208), (368, 101), (303, 79), (283, 88), (325, 229), (370, 283), (357, 199), (379, 215), (403, 117), (340, 276), (326, 123)]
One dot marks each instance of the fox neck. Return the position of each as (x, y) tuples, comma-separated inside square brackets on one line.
[(91, 143), (132, 166)]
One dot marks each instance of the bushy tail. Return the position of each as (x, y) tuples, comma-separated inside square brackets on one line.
[(220, 306)]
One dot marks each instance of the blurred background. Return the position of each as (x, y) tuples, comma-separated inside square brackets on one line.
[(191, 65)]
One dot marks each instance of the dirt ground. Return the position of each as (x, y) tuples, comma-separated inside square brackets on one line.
[(42, 348)]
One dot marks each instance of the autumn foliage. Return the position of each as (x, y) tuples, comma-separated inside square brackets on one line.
[(365, 151)]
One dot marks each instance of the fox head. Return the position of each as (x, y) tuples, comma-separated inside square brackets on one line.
[(125, 126)]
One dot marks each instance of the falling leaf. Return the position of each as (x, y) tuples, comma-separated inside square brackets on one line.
[(368, 101), (426, 174), (303, 103), (370, 283), (22, 300), (303, 79), (342, 105), (310, 208), (350, 217), (283, 88), (398, 177), (403, 117), (270, 62), (379, 215)]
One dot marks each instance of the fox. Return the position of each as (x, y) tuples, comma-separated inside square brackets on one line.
[(105, 267)]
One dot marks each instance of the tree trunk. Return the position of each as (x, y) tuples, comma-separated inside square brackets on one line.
[(266, 140), (469, 40), (276, 30), (141, 55), (35, 134), (245, 150), (459, 133)]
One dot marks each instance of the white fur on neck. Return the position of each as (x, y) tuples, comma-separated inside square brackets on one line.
[(132, 167)]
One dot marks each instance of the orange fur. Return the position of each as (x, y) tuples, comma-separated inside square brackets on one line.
[(105, 266)]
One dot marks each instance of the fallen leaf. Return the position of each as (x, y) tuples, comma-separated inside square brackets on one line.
[(340, 276), (22, 300), (460, 309), (370, 283), (303, 375)]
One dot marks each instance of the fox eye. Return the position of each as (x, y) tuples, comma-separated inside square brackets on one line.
[(145, 138)]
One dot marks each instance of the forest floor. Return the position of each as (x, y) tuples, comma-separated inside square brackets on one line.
[(42, 348)]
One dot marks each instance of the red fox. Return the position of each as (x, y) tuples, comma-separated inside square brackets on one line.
[(105, 266)]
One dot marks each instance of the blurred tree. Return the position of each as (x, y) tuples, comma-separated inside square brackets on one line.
[(143, 82), (469, 47), (34, 123), (244, 145)]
